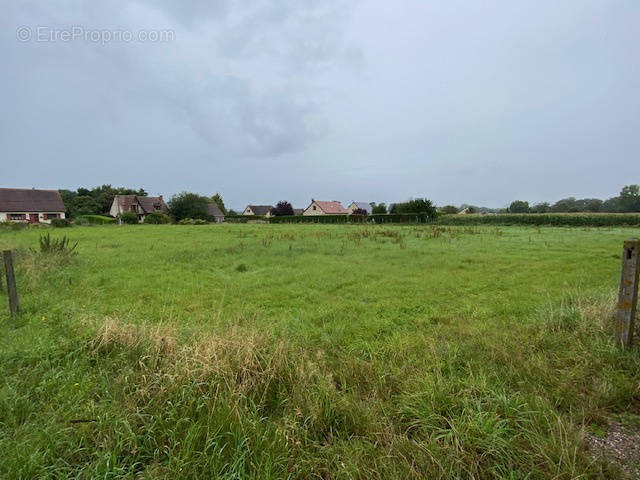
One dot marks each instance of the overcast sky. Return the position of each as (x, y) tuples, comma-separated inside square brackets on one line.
[(466, 101)]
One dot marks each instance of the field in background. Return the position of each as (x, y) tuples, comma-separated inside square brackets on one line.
[(326, 351)]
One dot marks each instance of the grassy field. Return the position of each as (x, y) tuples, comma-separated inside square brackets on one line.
[(313, 351)]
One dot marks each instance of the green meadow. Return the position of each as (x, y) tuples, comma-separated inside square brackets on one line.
[(313, 351)]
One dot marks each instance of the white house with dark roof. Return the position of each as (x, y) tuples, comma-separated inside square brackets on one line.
[(30, 205), (259, 210), (138, 204)]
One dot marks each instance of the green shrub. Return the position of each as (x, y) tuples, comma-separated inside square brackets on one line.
[(60, 223), (94, 220), (57, 245), (130, 218), (192, 221), (18, 225), (157, 218), (244, 218)]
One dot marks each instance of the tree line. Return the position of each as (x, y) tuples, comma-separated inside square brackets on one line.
[(627, 201), (98, 200)]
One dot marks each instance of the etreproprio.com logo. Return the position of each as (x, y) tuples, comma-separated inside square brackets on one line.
[(46, 34)]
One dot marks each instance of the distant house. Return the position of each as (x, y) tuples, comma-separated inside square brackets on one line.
[(318, 207), (260, 210), (30, 205), (361, 206), (138, 204), (214, 211), (298, 211)]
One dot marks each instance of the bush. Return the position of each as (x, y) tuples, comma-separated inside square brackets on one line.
[(130, 218), (245, 218), (57, 245), (157, 218), (519, 206), (417, 206), (283, 209), (449, 209), (192, 221), (60, 223), (94, 220), (14, 225), (187, 205)]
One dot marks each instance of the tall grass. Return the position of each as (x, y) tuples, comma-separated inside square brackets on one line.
[(390, 374)]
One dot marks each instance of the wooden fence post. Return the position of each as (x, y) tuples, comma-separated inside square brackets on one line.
[(628, 296), (12, 291)]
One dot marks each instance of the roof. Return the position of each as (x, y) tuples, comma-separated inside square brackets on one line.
[(152, 204), (260, 209), (30, 200), (333, 207), (364, 206), (148, 204), (214, 210)]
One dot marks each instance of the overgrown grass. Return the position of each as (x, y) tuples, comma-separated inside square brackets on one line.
[(336, 352)]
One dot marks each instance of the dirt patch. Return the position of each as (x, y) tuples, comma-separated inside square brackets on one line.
[(620, 445)]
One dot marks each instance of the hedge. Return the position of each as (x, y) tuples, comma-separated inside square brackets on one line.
[(559, 219), (243, 218), (94, 219), (376, 218)]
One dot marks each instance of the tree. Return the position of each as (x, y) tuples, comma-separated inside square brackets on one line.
[(542, 207), (566, 205), (217, 199), (77, 202), (418, 206), (104, 195), (593, 205), (282, 209), (380, 208), (85, 205), (629, 199), (449, 209), (611, 205), (189, 205), (519, 206)]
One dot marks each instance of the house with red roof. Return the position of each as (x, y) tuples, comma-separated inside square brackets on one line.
[(319, 207)]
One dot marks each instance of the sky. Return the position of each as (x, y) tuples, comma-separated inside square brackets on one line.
[(478, 102)]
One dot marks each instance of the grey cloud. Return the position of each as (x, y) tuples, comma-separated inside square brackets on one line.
[(458, 101)]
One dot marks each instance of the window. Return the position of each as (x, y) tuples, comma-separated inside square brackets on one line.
[(314, 207), (51, 216), (17, 216)]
